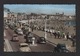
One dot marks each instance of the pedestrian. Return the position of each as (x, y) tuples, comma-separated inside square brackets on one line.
[(55, 34), (67, 36), (73, 43), (58, 34), (51, 33), (70, 37), (32, 29), (62, 35)]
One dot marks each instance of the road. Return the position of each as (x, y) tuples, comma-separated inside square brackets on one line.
[(15, 45)]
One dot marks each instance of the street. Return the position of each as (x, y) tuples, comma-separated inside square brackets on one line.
[(15, 45), (39, 29)]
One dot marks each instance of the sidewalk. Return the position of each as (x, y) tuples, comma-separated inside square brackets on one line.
[(7, 46), (5, 49), (56, 41), (4, 34)]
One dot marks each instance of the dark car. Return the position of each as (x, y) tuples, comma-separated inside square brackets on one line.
[(29, 39), (28, 34), (15, 38), (12, 27), (25, 31), (41, 40), (60, 48)]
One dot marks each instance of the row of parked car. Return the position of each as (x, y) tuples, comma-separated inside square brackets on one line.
[(41, 40), (24, 47), (29, 38)]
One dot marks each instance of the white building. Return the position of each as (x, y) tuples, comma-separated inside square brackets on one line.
[(5, 14)]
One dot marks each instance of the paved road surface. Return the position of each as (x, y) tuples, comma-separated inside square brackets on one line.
[(15, 45)]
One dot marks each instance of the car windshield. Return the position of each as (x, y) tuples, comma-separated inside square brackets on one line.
[(43, 38), (24, 46), (15, 36), (63, 47), (19, 30)]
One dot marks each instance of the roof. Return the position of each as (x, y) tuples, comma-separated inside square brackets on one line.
[(23, 44)]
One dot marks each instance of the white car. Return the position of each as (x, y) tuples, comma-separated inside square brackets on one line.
[(51, 30), (19, 31), (6, 27), (24, 47), (15, 38)]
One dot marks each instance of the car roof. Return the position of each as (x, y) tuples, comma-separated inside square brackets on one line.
[(41, 37), (61, 45), (14, 34), (19, 29), (25, 49), (23, 44)]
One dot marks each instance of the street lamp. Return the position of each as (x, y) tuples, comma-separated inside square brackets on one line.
[(45, 34), (45, 27), (29, 24)]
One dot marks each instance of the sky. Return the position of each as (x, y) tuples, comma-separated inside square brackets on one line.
[(68, 9)]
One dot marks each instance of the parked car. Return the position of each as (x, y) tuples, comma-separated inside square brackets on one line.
[(6, 27), (61, 48), (41, 40), (15, 38), (25, 31), (11, 27), (24, 47), (19, 31), (29, 39), (28, 34)]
